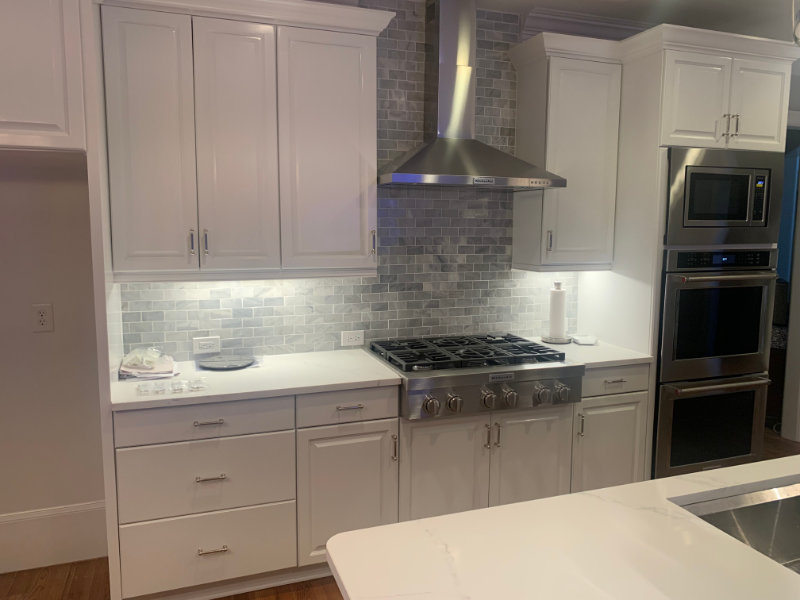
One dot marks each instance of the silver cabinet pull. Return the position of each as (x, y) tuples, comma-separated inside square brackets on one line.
[(620, 380), (736, 132), (219, 477), (583, 425), (192, 250), (374, 234), (549, 240), (394, 454), (499, 427), (488, 444), (205, 242), (727, 125), (351, 407), (223, 548), (204, 423)]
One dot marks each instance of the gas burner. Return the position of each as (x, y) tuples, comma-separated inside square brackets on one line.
[(459, 352)]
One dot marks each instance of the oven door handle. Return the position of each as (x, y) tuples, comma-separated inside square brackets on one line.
[(721, 387), (742, 277)]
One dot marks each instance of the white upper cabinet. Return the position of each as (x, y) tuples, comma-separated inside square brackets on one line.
[(327, 125), (712, 101), (696, 90), (759, 104), (41, 77), (151, 147), (237, 144), (568, 122)]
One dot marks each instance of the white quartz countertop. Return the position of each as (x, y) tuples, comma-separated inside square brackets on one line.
[(600, 355), (277, 375), (627, 542)]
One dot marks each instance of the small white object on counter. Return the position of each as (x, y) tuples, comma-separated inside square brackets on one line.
[(278, 375), (558, 312), (627, 542), (601, 355)]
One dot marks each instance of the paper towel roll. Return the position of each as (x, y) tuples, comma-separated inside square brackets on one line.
[(558, 311)]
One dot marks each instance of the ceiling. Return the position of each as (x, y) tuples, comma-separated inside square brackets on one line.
[(763, 18)]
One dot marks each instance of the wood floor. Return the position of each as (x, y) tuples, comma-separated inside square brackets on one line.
[(88, 579)]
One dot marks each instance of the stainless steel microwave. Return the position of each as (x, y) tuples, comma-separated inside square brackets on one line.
[(723, 196)]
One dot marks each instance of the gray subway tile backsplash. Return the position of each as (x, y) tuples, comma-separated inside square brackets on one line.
[(444, 255)]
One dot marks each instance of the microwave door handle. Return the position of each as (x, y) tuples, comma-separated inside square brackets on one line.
[(721, 387), (742, 277)]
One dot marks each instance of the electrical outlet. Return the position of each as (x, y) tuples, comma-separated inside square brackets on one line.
[(42, 318), (353, 338), (205, 345)]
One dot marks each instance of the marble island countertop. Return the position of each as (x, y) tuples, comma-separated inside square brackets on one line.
[(627, 542)]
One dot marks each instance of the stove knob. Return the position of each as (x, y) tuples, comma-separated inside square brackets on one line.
[(561, 392), (510, 397), (488, 398), (431, 405), (455, 402), (542, 394)]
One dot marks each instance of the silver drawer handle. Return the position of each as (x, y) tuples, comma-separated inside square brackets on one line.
[(620, 380), (219, 477), (201, 552), (394, 443), (204, 423), (351, 407)]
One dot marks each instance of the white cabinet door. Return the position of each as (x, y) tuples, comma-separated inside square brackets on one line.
[(444, 466), (41, 78), (150, 109), (609, 441), (237, 144), (695, 99), (346, 479), (759, 104), (531, 455), (327, 131), (582, 139)]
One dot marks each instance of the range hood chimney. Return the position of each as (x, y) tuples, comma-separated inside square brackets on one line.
[(450, 154)]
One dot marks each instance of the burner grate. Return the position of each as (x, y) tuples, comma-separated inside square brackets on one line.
[(452, 352)]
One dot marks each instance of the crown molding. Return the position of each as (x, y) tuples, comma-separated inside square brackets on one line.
[(296, 13), (541, 20)]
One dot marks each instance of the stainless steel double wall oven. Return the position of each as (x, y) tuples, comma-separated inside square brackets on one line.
[(716, 318)]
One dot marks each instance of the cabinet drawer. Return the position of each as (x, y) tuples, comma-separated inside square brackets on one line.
[(327, 408), (161, 480), (165, 555), (200, 421), (615, 380)]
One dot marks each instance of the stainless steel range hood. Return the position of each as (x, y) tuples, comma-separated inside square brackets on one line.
[(450, 154)]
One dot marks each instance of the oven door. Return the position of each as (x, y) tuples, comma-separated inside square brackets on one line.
[(710, 424), (716, 324)]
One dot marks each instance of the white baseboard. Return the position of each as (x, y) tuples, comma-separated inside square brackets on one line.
[(52, 536)]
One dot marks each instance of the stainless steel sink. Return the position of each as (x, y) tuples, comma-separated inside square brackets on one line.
[(767, 521)]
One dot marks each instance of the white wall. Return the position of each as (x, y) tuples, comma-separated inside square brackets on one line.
[(51, 507)]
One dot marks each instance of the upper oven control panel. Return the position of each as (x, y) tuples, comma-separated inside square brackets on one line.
[(720, 260)]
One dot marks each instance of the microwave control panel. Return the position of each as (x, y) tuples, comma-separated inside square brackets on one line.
[(759, 194)]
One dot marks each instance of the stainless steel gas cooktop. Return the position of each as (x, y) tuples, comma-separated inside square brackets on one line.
[(455, 375)]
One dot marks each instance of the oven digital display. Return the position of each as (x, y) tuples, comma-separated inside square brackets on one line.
[(723, 259)]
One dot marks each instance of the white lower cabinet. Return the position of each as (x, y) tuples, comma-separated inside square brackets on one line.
[(192, 550), (346, 479), (531, 455), (472, 462), (609, 441)]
